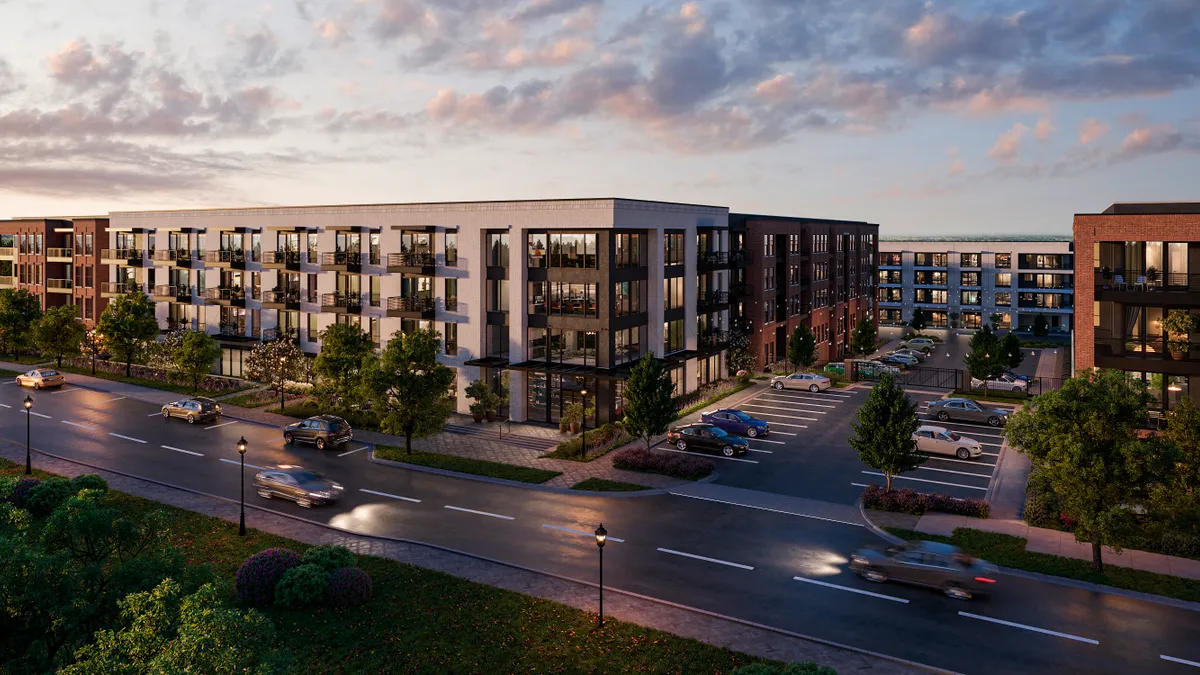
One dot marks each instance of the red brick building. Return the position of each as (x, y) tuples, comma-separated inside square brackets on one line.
[(57, 260)]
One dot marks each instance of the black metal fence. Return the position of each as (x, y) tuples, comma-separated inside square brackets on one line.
[(952, 379)]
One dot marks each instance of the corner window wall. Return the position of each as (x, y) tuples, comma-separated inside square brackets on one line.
[(557, 298), (562, 250), (673, 248), (497, 249), (628, 250)]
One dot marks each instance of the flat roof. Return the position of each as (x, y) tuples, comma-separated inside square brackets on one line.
[(1148, 209), (967, 240), (797, 219), (442, 203)]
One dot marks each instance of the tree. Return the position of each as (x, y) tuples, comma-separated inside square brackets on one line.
[(59, 333), (996, 320), (1010, 351), (276, 363), (93, 346), (862, 341), (649, 400), (740, 354), (410, 392), (883, 434), (161, 353), (1084, 437), (338, 366), (195, 356), (128, 323), (919, 320), (802, 347), (985, 361), (20, 310), (1040, 329), (1176, 499)]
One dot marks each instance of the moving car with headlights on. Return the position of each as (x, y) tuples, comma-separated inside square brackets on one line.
[(41, 378), (195, 409), (306, 488), (707, 438), (940, 441), (946, 409), (926, 563), (320, 430), (736, 422), (809, 381)]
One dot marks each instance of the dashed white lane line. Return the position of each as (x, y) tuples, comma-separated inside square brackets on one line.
[(1172, 659), (128, 438), (701, 454), (480, 513), (926, 480), (222, 424), (36, 414), (66, 391), (1035, 629), (110, 400), (791, 410), (237, 463), (186, 452), (580, 532), (351, 452), (389, 495), (5, 405), (861, 485), (826, 584), (77, 424), (765, 508), (706, 559)]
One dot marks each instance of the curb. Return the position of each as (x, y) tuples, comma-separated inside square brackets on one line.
[(878, 531)]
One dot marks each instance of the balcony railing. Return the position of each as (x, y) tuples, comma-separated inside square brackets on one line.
[(120, 287), (8, 282), (739, 289), (62, 284), (178, 255), (281, 258), (712, 298), (341, 300), (225, 256), (8, 252), (337, 258), (127, 255), (1154, 348), (712, 258), (173, 291), (233, 329), (739, 257), (282, 296), (286, 333), (713, 339), (59, 253), (1138, 280), (411, 260), (406, 304), (225, 293)]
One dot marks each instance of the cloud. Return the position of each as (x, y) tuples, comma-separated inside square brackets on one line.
[(536, 10), (1008, 145), (1092, 130), (1151, 140), (259, 54), (81, 68), (1043, 129)]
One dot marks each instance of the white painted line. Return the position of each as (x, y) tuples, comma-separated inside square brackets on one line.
[(764, 508), (923, 480), (186, 452), (36, 414), (790, 426), (711, 560), (1172, 659), (785, 417), (701, 454), (222, 424), (791, 400), (581, 532), (779, 433), (960, 473), (157, 414), (5, 405), (1032, 628), (481, 513), (128, 438), (805, 392), (792, 410), (351, 452), (861, 485), (767, 452), (852, 590), (110, 400), (66, 391), (990, 454), (763, 440), (974, 462), (392, 496), (236, 463), (76, 424)]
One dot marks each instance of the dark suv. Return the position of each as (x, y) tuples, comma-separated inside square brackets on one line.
[(320, 430)]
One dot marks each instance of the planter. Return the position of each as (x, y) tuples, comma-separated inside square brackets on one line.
[(1178, 354), (574, 427), (477, 416), (491, 415)]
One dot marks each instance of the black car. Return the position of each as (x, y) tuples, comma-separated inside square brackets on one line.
[(707, 438), (320, 430), (306, 488)]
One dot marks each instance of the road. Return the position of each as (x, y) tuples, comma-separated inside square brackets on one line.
[(753, 564)]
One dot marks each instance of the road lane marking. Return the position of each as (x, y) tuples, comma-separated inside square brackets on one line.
[(711, 560), (826, 584), (792, 410), (157, 414), (763, 440), (236, 463), (926, 480), (1031, 628), (701, 454), (861, 485), (128, 438), (66, 391), (481, 513), (5, 405), (222, 424), (1172, 659), (586, 534), (36, 414), (786, 417), (765, 508), (960, 473), (768, 452), (77, 424), (392, 496), (186, 452), (350, 452), (110, 400)]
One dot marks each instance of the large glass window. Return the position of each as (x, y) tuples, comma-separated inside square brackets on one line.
[(539, 297), (549, 396), (497, 246), (969, 279), (570, 299), (562, 249), (627, 345), (969, 260), (451, 295), (673, 293), (1004, 260), (538, 253), (672, 336), (889, 259), (1004, 298), (628, 249), (969, 298), (627, 297), (451, 249), (1177, 261), (1004, 279), (673, 248), (573, 346)]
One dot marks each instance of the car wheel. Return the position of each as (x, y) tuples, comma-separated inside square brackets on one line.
[(872, 574), (752, 432), (191, 418), (1016, 389), (167, 414), (681, 444), (814, 388), (963, 453), (37, 385), (994, 421), (943, 415), (956, 592), (727, 451), (320, 443), (288, 438), (778, 386), (265, 494)]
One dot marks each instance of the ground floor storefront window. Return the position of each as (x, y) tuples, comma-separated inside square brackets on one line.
[(549, 395)]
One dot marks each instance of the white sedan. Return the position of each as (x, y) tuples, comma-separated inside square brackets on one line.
[(41, 379), (809, 381), (941, 441), (1003, 383)]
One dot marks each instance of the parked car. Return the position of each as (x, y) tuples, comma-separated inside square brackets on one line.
[(966, 409), (915, 353), (1005, 382), (707, 438), (41, 378), (320, 430), (926, 563), (195, 409), (736, 422), (1017, 375), (941, 441), (874, 368), (306, 488), (836, 368), (809, 381), (893, 361), (907, 359), (923, 343)]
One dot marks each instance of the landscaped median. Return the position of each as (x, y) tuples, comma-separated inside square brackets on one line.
[(600, 441), (478, 467), (605, 485)]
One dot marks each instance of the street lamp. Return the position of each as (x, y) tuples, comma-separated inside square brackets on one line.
[(583, 425), (241, 446), (28, 414), (601, 536), (282, 364)]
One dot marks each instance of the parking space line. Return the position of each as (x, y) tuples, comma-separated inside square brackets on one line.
[(700, 454), (392, 496), (5, 405), (186, 452), (780, 398), (581, 532), (1030, 628), (805, 392), (351, 452), (767, 452), (826, 584), (711, 560), (926, 480), (791, 405), (128, 438), (236, 463), (990, 454), (788, 417), (480, 513), (763, 440), (222, 424), (790, 426), (1172, 659), (76, 424), (861, 485), (775, 407), (974, 462), (960, 473), (783, 433)]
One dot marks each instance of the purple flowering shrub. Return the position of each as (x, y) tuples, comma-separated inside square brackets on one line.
[(20, 491), (680, 466), (348, 586), (917, 503), (258, 576)]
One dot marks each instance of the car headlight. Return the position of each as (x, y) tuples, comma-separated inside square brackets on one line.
[(323, 494), (858, 559)]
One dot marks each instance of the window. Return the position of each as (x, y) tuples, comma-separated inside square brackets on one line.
[(890, 316), (497, 249), (1046, 280), (673, 293), (570, 299), (373, 248), (820, 271), (890, 295), (313, 330), (627, 345), (1046, 262), (969, 260), (768, 245), (1004, 260), (673, 248), (538, 253), (1004, 279), (889, 276), (313, 245), (373, 298), (627, 297), (672, 336), (1004, 298), (821, 297), (930, 260), (451, 249), (968, 279), (972, 319), (794, 244), (969, 298), (1044, 300), (821, 244), (929, 278), (451, 338), (793, 275), (451, 295), (889, 259), (87, 276), (929, 296), (769, 278), (628, 250), (769, 312)]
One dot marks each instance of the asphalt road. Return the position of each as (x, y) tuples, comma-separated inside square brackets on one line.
[(748, 563)]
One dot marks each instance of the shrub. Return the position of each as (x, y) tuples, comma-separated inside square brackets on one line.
[(43, 498), (301, 586), (1042, 506), (89, 481), (1179, 544), (347, 587), (800, 668), (680, 466), (329, 558), (258, 576), (600, 440), (917, 503), (20, 491), (7, 483)]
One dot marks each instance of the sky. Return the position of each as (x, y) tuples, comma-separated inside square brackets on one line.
[(929, 118)]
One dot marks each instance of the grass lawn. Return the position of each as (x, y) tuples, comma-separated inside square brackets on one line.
[(27, 360), (423, 621), (8, 373), (603, 485), (1009, 551), (479, 467), (153, 384)]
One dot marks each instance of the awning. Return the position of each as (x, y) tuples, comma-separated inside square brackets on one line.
[(488, 362)]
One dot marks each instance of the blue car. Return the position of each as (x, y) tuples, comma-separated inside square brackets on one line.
[(1017, 375), (736, 422)]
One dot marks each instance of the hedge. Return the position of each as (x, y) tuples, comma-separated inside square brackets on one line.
[(917, 503), (208, 383), (600, 441), (706, 396), (667, 464)]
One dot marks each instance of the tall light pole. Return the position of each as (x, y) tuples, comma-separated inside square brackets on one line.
[(241, 446), (601, 536), (583, 425), (28, 414), (282, 364)]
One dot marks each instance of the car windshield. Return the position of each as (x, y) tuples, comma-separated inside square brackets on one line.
[(305, 476)]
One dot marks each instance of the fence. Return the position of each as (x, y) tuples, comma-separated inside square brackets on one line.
[(952, 379)]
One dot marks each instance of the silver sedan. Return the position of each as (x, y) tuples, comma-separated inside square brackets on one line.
[(41, 378)]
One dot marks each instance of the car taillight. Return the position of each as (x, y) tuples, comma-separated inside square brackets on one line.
[(985, 580)]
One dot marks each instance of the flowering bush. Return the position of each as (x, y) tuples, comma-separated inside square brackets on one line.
[(328, 558), (917, 503), (680, 466), (348, 586), (301, 586), (209, 383), (258, 576), (21, 489)]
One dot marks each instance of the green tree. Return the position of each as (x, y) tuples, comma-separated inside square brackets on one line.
[(161, 353), (276, 363), (1084, 437), (339, 365), (20, 310), (196, 354), (883, 432), (996, 320), (1040, 329), (128, 323), (59, 334), (1176, 499), (1010, 351), (802, 347), (986, 359), (410, 392), (649, 400), (741, 352), (862, 341), (919, 320)]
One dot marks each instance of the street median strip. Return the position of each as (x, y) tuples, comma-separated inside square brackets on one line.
[(1035, 629), (826, 584), (706, 559)]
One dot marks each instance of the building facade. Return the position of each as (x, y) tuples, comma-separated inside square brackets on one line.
[(963, 284), (56, 259), (1135, 265), (789, 272)]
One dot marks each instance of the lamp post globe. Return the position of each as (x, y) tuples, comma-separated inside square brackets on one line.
[(28, 402), (601, 537), (241, 448)]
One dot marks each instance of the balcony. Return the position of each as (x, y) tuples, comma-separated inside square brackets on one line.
[(122, 256), (410, 308), (342, 261), (281, 260), (712, 259), (276, 298), (110, 289), (8, 282), (59, 285), (173, 293), (713, 340), (740, 257), (423, 264), (59, 255), (8, 252), (181, 257), (713, 300), (226, 258), (286, 333), (225, 295), (341, 303), (452, 304), (739, 290), (1133, 285)]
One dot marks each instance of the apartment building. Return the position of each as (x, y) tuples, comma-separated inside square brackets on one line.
[(964, 284), (789, 272), (1136, 264), (56, 260)]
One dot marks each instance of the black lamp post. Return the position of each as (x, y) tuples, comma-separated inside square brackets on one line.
[(241, 446), (583, 425), (282, 364), (28, 414), (92, 340), (601, 536)]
